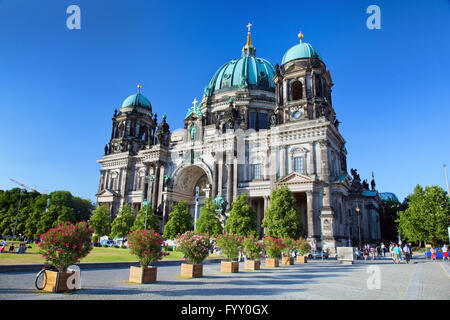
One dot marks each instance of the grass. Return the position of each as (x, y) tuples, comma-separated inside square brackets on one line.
[(98, 254)]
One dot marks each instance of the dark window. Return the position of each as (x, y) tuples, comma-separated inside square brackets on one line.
[(252, 123), (297, 90), (262, 120)]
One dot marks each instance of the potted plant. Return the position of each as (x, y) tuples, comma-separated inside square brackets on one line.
[(274, 247), (252, 249), (231, 245), (195, 248), (147, 245), (289, 246), (303, 249), (63, 246)]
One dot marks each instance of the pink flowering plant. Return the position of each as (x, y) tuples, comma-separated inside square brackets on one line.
[(289, 246), (195, 247), (253, 247), (273, 246), (147, 245), (302, 246), (231, 245), (66, 244)]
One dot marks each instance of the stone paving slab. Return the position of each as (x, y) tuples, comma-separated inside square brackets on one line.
[(317, 279)]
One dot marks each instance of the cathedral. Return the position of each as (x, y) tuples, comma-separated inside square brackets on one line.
[(258, 127)]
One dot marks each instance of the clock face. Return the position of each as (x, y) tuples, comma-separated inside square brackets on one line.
[(297, 114)]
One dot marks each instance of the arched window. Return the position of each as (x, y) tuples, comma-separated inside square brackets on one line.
[(297, 90)]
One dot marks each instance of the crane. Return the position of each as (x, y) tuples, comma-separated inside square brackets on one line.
[(20, 201)]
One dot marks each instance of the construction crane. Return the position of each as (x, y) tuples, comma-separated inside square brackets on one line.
[(20, 201)]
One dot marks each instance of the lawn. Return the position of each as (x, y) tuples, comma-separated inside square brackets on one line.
[(98, 254)]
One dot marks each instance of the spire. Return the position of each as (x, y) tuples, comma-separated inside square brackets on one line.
[(248, 49), (139, 86)]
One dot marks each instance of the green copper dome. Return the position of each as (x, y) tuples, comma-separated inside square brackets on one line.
[(138, 100), (247, 72), (300, 51)]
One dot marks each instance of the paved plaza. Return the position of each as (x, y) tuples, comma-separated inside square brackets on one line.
[(315, 280)]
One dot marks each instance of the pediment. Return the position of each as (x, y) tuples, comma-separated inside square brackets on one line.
[(107, 193), (295, 178)]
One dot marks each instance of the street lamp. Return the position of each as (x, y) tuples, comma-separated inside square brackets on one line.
[(197, 192), (359, 225)]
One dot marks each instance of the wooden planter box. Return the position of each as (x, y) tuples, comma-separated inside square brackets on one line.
[(287, 261), (229, 266), (301, 259), (142, 275), (191, 270), (272, 262), (57, 281), (252, 265)]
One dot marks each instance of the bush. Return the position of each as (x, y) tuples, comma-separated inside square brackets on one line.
[(123, 247), (195, 247), (66, 244), (105, 246), (231, 245), (289, 246), (116, 246), (147, 245), (253, 248), (302, 246), (273, 246)]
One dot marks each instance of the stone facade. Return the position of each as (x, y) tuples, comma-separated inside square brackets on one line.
[(246, 139)]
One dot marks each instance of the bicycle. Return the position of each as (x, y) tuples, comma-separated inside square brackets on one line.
[(41, 277)]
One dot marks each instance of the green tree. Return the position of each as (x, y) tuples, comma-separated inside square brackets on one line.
[(101, 221), (122, 224), (152, 220), (38, 209), (180, 221), (281, 218), (427, 216), (242, 219), (209, 222)]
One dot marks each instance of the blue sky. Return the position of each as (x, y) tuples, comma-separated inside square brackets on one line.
[(59, 87)]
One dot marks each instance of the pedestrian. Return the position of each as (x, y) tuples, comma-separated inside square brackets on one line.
[(397, 254), (433, 254), (383, 249), (372, 253), (445, 252), (407, 253), (366, 252)]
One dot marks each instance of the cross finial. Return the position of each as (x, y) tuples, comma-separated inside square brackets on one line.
[(139, 88), (249, 25), (300, 36), (194, 102)]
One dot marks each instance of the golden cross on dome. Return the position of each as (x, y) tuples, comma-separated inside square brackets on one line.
[(249, 26), (139, 88), (194, 102), (300, 36)]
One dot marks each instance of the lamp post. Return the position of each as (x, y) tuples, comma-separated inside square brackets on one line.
[(446, 179), (358, 210), (197, 191)]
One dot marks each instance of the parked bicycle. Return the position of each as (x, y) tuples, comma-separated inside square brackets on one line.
[(41, 277)]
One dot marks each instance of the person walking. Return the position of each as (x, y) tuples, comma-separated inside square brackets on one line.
[(407, 253), (366, 252), (445, 252), (433, 254), (383, 249), (397, 254), (372, 252)]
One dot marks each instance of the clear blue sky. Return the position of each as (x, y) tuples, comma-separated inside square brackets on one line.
[(59, 87)]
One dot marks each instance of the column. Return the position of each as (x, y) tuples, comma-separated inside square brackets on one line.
[(229, 185), (235, 178), (220, 178), (156, 185), (310, 214), (160, 185), (214, 180), (282, 161), (312, 161)]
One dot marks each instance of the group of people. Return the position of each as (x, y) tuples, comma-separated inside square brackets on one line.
[(12, 249), (399, 253), (373, 252), (444, 253)]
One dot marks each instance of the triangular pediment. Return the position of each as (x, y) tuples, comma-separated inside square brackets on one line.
[(107, 193), (295, 178)]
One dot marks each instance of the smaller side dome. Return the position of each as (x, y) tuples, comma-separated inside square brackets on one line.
[(137, 100), (300, 51)]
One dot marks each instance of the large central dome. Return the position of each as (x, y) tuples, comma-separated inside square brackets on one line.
[(248, 72)]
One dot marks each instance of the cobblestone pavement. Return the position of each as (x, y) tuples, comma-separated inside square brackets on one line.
[(314, 280)]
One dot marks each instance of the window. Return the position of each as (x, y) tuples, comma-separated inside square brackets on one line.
[(253, 120), (299, 164), (297, 90), (256, 171), (263, 120)]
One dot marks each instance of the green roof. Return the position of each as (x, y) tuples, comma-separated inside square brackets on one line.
[(300, 51)]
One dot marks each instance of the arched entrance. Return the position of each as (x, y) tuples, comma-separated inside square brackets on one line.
[(185, 180)]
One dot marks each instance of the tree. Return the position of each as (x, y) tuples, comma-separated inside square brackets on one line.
[(427, 216), (242, 219), (180, 221), (209, 222), (100, 221), (281, 218), (152, 220), (388, 214), (122, 224)]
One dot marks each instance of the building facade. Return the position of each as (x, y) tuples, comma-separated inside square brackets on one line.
[(257, 127)]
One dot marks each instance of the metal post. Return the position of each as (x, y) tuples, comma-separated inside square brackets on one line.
[(197, 190), (18, 211), (359, 225), (446, 179)]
